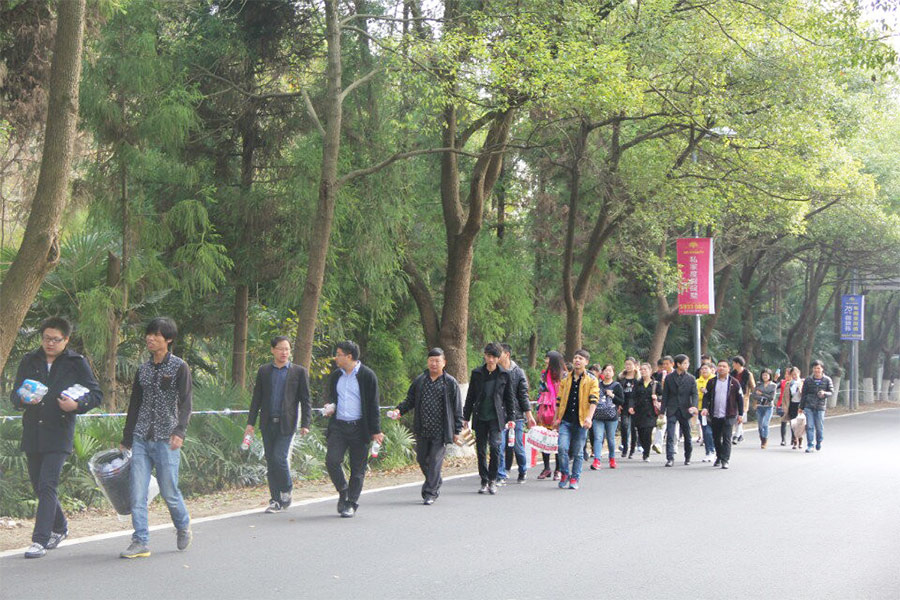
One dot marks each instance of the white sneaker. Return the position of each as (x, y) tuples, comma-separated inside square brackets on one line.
[(705, 458)]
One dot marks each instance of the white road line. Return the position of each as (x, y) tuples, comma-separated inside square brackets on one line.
[(251, 511)]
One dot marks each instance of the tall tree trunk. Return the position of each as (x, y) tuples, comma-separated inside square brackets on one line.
[(532, 350), (239, 345), (324, 219), (709, 324), (39, 251), (108, 374), (420, 293)]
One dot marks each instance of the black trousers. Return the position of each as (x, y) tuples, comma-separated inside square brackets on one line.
[(430, 456), (671, 438), (277, 447), (625, 432), (722, 432), (344, 436), (486, 432), (44, 469), (645, 434), (546, 457), (634, 436)]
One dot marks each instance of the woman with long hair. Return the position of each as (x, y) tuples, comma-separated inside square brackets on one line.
[(554, 367), (606, 417), (628, 378), (764, 394)]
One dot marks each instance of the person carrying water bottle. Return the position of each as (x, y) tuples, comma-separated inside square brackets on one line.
[(48, 422)]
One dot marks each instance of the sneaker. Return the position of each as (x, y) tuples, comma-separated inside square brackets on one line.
[(556, 475), (183, 539), (35, 550), (595, 465), (657, 449), (502, 481), (56, 538), (740, 439), (809, 450), (135, 550), (521, 478), (563, 481), (630, 455), (285, 499), (612, 463), (640, 450), (687, 461), (783, 443), (670, 462), (348, 511), (342, 501), (483, 489), (734, 441), (705, 458), (573, 484), (645, 458), (717, 463), (492, 488), (545, 474), (818, 447), (428, 501), (274, 507), (725, 464)]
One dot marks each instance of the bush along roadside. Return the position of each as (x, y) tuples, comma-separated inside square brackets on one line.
[(212, 459)]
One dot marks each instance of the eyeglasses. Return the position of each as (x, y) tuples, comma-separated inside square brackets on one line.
[(53, 340)]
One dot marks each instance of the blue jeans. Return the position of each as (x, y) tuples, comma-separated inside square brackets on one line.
[(815, 423), (518, 450), (145, 455), (603, 429), (709, 443), (571, 442), (763, 416)]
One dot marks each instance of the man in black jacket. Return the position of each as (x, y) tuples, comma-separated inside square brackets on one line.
[(280, 393), (355, 421), (679, 403), (435, 397), (723, 403), (48, 424), (488, 402), (522, 414)]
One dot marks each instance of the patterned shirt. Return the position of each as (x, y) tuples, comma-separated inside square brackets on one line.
[(432, 408)]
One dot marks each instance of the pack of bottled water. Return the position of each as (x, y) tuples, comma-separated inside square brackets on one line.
[(32, 391), (75, 392)]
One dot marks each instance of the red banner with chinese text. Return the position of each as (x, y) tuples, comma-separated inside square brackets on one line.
[(695, 264)]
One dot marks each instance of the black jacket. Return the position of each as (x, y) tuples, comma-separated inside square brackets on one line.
[(679, 394), (809, 397), (628, 385), (503, 395), (45, 426), (642, 401), (368, 392), (519, 382), (296, 398), (735, 402), (453, 421)]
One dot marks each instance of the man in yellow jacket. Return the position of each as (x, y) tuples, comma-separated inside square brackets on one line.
[(576, 401)]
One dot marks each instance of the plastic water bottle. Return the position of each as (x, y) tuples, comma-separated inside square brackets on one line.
[(376, 448), (245, 445), (511, 437)]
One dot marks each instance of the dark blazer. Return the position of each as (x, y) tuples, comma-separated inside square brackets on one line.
[(679, 394), (368, 392), (296, 398), (504, 398), (735, 402), (45, 426), (642, 402), (453, 421), (519, 382)]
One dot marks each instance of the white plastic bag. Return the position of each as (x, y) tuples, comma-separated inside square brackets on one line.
[(543, 439)]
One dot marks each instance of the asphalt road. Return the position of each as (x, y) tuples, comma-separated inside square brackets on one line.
[(778, 524)]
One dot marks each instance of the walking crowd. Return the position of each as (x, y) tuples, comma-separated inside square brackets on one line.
[(583, 402)]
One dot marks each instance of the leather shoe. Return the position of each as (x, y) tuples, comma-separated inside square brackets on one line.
[(724, 464), (687, 461), (342, 502), (349, 511), (428, 501)]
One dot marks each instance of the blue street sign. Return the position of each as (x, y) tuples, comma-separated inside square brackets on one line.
[(853, 311)]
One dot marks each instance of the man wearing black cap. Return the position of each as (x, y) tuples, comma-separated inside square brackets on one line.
[(436, 398)]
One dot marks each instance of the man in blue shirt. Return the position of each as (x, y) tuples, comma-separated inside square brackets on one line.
[(353, 388)]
